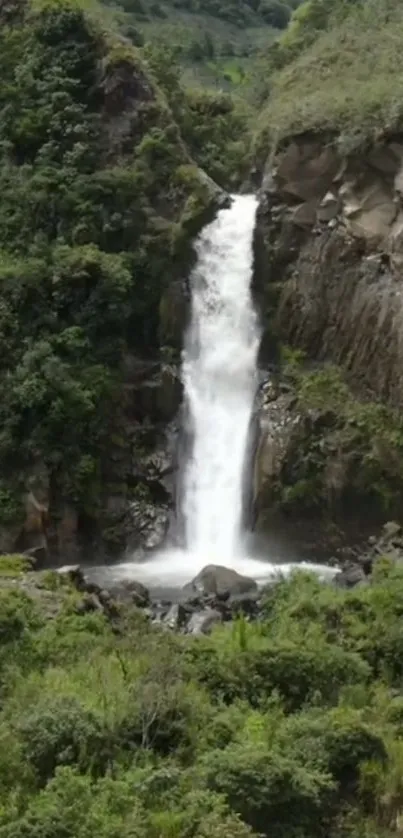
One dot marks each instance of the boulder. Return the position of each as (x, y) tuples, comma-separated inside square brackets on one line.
[(203, 621), (392, 530), (176, 616), (246, 604), (131, 591), (329, 208), (74, 574), (304, 215), (350, 577), (89, 603), (216, 579)]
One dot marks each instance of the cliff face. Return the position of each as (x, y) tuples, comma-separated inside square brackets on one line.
[(329, 271), (332, 261)]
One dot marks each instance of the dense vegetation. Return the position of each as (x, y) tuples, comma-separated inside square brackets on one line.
[(99, 199), (289, 727), (347, 452), (240, 12), (215, 41), (336, 68)]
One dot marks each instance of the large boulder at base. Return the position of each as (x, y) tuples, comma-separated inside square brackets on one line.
[(203, 621), (350, 576), (215, 579), (131, 591)]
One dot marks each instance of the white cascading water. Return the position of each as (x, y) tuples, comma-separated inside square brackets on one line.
[(219, 377)]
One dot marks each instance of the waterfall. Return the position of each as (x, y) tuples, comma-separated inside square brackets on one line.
[(219, 376)]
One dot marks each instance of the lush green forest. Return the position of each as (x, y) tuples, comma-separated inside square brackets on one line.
[(287, 728), (100, 195)]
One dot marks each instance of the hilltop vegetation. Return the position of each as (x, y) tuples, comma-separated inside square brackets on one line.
[(287, 728), (338, 68)]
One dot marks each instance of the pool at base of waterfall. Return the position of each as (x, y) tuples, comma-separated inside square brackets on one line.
[(166, 573)]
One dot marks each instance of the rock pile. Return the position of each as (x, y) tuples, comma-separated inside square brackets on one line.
[(389, 545), (217, 594)]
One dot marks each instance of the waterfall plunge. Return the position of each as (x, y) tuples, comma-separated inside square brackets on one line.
[(219, 377)]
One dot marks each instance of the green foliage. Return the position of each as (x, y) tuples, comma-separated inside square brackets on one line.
[(350, 448), (286, 727), (61, 734), (13, 565), (238, 12), (267, 787), (214, 41), (89, 220), (318, 75), (213, 125)]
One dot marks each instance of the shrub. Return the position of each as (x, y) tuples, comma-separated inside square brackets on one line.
[(273, 793), (63, 733)]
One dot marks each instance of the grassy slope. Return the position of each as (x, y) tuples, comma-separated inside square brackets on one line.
[(349, 80)]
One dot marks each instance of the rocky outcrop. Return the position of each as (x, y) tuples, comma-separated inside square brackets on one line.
[(327, 466), (221, 581), (387, 547), (217, 595), (329, 254), (140, 472)]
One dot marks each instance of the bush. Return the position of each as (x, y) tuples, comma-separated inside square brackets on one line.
[(63, 734), (295, 672), (267, 788)]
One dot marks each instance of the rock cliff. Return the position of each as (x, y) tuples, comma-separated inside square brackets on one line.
[(329, 271), (332, 261)]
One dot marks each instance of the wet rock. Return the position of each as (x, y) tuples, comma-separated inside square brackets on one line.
[(67, 532), (39, 555), (131, 591), (203, 621), (159, 612), (247, 604), (157, 396), (350, 577), (89, 603), (215, 579), (392, 530), (147, 525), (75, 576), (176, 616), (279, 430)]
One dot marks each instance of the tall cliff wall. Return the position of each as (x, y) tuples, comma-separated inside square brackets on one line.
[(330, 258)]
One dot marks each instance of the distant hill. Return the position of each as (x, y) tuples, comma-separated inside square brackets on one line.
[(215, 41)]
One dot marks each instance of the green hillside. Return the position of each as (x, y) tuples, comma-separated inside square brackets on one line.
[(338, 68), (214, 42)]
